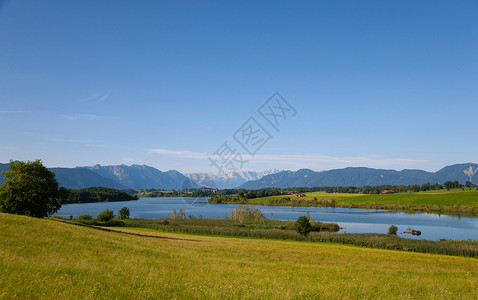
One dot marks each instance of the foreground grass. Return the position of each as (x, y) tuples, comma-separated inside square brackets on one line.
[(451, 202), (322, 232), (442, 197), (49, 259)]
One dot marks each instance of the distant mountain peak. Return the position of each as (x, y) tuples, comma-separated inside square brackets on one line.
[(470, 171), (228, 180), (145, 177), (141, 176)]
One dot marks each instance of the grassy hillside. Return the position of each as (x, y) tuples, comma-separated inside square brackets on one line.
[(442, 197), (48, 259), (453, 201)]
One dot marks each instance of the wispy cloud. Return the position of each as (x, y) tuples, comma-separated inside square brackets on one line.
[(316, 162), (89, 117), (183, 154), (97, 97), (8, 148), (103, 98), (68, 141), (326, 162), (337, 159), (13, 111)]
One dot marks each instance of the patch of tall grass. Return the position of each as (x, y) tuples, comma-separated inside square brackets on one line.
[(321, 232)]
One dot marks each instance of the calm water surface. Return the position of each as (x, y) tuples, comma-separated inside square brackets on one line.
[(353, 220)]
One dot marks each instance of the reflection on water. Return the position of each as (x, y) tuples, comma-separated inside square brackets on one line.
[(352, 220)]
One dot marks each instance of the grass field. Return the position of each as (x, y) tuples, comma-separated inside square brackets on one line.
[(284, 230), (443, 201), (442, 197), (42, 258)]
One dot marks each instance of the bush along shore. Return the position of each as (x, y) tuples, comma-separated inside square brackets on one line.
[(362, 201)]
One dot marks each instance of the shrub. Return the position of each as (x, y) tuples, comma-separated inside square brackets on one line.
[(244, 212), (416, 232), (181, 214), (123, 213), (392, 229), (302, 225), (114, 223), (105, 215), (84, 217), (319, 226), (162, 222)]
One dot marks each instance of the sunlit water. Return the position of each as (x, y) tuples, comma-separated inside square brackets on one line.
[(352, 220)]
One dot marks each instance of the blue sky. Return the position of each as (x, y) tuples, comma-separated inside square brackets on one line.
[(165, 83)]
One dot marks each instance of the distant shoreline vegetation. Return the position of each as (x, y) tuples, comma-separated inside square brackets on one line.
[(272, 191), (450, 198), (462, 201), (158, 193), (244, 222), (99, 194)]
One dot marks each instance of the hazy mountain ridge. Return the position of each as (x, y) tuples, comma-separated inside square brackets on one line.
[(141, 176), (77, 178), (116, 176), (359, 176), (146, 177)]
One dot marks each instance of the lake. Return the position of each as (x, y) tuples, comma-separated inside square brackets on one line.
[(352, 220)]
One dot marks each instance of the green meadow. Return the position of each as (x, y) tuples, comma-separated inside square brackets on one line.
[(452, 202), (42, 258)]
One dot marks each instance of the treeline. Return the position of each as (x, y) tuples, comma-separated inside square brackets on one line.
[(99, 194), (241, 195), (268, 192)]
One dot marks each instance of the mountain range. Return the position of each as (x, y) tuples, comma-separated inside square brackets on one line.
[(229, 180), (146, 177), (141, 176), (365, 177)]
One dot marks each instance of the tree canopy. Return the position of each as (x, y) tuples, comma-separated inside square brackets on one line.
[(302, 226), (31, 189), (99, 194)]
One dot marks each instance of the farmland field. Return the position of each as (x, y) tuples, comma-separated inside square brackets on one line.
[(442, 201), (42, 258)]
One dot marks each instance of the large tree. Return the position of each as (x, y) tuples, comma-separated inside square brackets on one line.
[(31, 189)]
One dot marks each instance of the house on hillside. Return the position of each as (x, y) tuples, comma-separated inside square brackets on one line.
[(289, 192), (387, 192)]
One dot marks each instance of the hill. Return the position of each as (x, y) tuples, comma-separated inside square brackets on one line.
[(42, 258), (458, 201), (141, 176), (99, 194), (364, 177), (117, 176), (76, 178), (146, 177)]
